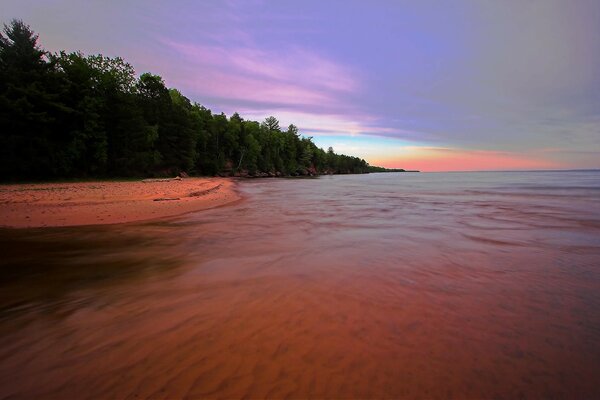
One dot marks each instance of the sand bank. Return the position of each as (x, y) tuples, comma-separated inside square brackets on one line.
[(94, 203)]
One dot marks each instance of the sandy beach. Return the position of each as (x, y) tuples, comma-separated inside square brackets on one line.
[(96, 203), (383, 286)]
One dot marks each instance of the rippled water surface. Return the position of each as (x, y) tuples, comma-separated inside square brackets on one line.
[(478, 285)]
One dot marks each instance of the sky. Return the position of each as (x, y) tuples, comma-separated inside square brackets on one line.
[(427, 85)]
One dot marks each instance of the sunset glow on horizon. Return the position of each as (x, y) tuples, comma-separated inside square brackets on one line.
[(432, 160), (417, 85)]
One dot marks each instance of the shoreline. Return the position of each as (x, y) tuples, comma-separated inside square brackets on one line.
[(39, 205)]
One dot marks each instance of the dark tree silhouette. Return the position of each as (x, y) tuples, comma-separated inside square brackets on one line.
[(68, 115)]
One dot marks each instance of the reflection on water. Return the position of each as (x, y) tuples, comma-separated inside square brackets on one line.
[(387, 285)]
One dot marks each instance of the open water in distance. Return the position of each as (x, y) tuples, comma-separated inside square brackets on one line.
[(432, 285)]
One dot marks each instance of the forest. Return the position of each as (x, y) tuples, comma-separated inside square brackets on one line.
[(69, 115)]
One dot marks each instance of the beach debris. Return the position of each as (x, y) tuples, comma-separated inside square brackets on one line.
[(204, 192), (177, 178)]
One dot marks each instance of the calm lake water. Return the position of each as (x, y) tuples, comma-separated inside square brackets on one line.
[(437, 285)]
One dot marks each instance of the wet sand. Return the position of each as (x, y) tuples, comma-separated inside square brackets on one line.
[(383, 286), (97, 203)]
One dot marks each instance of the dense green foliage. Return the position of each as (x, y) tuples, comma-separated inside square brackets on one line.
[(68, 115)]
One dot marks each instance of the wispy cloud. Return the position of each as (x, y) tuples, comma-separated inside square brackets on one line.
[(298, 86), (297, 78)]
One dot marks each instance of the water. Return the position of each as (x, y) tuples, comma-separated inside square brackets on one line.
[(445, 285)]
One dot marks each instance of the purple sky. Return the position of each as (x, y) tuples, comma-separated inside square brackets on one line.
[(415, 84)]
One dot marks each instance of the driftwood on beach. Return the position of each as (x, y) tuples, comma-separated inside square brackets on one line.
[(205, 192), (177, 178)]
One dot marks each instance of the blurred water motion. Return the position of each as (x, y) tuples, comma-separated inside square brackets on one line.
[(459, 285)]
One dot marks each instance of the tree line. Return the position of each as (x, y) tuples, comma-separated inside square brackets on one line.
[(68, 115)]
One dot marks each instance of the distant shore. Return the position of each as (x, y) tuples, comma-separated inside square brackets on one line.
[(98, 203)]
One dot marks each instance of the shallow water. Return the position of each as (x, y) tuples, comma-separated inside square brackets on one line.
[(454, 285)]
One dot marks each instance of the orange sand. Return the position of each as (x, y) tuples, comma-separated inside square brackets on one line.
[(95, 203)]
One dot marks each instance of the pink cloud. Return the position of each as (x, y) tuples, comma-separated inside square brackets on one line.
[(296, 78)]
